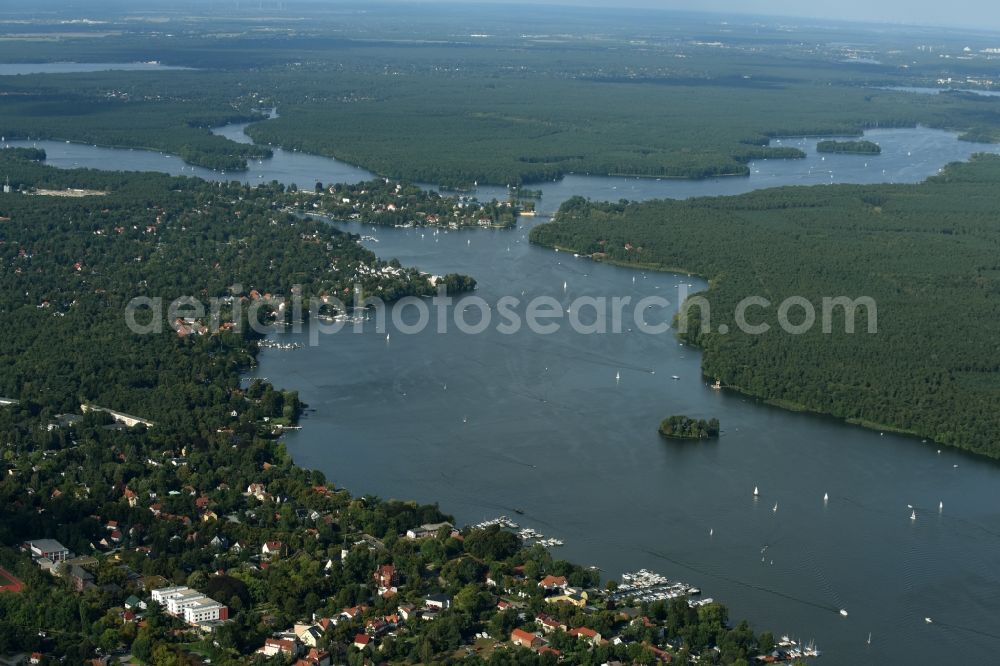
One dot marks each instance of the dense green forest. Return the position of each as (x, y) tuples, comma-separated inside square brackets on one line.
[(855, 147), (531, 128), (508, 110), (121, 109), (926, 253), (685, 427)]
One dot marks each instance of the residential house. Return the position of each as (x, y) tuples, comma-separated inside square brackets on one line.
[(134, 602), (438, 601), (549, 624), (570, 596), (524, 639), (587, 634), (285, 646), (361, 641), (426, 531), (660, 655), (310, 636), (386, 577), (80, 577), (353, 612), (550, 583), (258, 490), (271, 549), (376, 627), (315, 657)]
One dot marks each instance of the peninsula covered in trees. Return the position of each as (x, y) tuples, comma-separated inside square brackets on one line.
[(941, 385), (384, 202), (684, 427), (853, 147)]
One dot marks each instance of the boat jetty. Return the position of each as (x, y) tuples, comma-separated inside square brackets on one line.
[(274, 344), (644, 585), (344, 317), (526, 534), (502, 521), (529, 533), (788, 649)]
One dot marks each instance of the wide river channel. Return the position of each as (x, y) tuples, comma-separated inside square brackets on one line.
[(562, 427)]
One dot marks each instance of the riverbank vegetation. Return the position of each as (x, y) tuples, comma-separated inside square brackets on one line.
[(853, 147), (926, 254), (685, 427)]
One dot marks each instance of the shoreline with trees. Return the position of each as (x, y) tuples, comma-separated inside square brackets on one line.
[(893, 375)]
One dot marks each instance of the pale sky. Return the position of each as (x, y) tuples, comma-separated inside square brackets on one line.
[(983, 14)]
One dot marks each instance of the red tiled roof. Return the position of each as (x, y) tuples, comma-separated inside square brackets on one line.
[(552, 581), (522, 635), (282, 644)]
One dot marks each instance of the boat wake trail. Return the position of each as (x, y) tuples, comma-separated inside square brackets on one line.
[(968, 630), (741, 583)]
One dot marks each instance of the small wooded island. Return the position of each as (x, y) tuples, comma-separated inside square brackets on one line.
[(853, 147), (684, 427)]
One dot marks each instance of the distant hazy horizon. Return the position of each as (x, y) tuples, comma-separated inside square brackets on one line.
[(969, 14), (978, 15)]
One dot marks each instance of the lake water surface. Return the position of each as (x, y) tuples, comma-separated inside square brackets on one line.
[(488, 424)]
